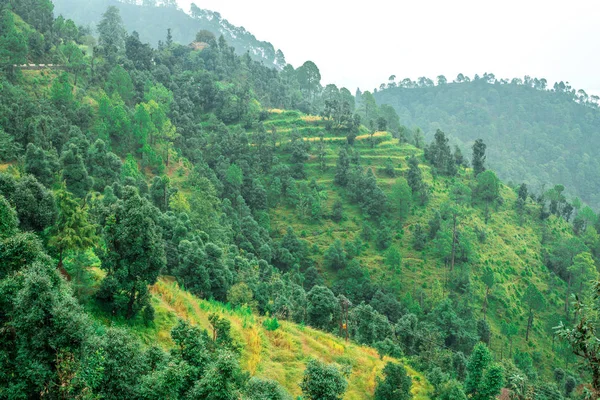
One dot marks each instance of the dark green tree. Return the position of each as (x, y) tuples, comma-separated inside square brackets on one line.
[(478, 161), (342, 168), (414, 178), (134, 254), (396, 384), (484, 379), (335, 256), (74, 172), (323, 382), (111, 35), (44, 166), (322, 307)]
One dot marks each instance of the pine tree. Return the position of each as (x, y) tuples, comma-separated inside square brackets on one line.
[(478, 161), (72, 230), (40, 164), (74, 172), (484, 380)]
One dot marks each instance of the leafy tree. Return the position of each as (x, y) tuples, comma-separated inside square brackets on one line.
[(584, 272), (222, 380), (103, 165), (322, 382), (9, 149), (74, 172), (415, 180), (488, 188), (120, 82), (13, 45), (134, 254), (322, 307), (484, 380), (335, 256), (48, 327), (337, 212), (8, 219), (342, 168), (393, 259), (396, 385), (265, 389), (367, 326), (35, 205), (41, 164), (509, 330), (452, 390), (478, 161), (72, 230)]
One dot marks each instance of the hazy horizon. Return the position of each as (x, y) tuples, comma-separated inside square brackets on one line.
[(363, 46)]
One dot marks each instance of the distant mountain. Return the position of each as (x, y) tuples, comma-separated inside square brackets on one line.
[(534, 135), (152, 22)]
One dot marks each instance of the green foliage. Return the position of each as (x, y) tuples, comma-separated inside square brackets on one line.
[(488, 187), (265, 389), (74, 172), (41, 164), (323, 382), (335, 256), (395, 386), (438, 153), (484, 379), (134, 255), (520, 155), (72, 230), (478, 160), (271, 324), (322, 307)]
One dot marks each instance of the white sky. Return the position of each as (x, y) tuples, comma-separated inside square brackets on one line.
[(360, 44)]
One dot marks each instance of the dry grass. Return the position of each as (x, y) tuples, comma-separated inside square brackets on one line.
[(282, 354)]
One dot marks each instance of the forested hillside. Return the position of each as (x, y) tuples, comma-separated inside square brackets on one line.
[(182, 222), (536, 134), (151, 19)]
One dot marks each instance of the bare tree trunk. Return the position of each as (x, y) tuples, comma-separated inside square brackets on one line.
[(453, 242)]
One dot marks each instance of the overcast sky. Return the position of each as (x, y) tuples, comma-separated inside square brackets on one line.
[(360, 44)]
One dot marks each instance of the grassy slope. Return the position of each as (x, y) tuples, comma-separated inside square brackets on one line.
[(282, 354), (512, 250)]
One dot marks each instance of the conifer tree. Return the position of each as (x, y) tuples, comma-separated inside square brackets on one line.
[(74, 172), (72, 230), (478, 161)]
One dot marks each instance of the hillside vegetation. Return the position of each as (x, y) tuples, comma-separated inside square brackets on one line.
[(537, 135), (189, 223), (152, 20)]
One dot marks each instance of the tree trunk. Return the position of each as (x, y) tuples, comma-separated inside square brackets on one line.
[(485, 302), (567, 298), (529, 323), (453, 242), (130, 303)]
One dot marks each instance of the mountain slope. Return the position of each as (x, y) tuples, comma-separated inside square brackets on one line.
[(535, 136), (509, 243), (280, 355), (152, 22)]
